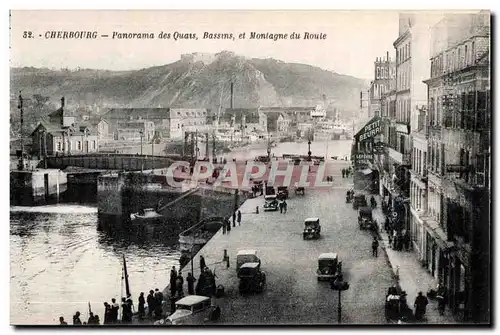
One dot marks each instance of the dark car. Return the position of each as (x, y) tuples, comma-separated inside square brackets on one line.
[(252, 279), (282, 192), (312, 228), (365, 218), (270, 190), (358, 201)]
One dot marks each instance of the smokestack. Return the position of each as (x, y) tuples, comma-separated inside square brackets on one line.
[(232, 93), (387, 56)]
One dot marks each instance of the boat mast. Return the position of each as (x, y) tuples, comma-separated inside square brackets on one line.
[(125, 276)]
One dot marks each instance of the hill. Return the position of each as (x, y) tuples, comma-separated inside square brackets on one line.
[(197, 80)]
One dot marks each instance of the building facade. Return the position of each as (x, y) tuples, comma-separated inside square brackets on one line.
[(61, 135), (457, 227)]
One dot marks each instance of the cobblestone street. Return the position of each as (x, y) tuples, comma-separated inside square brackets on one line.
[(293, 294)]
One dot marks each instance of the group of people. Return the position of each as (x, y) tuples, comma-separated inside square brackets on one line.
[(346, 172), (226, 226)]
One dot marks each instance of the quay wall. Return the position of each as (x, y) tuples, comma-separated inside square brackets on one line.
[(32, 187)]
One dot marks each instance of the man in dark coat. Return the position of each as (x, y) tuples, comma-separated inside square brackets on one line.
[(179, 284), (159, 302), (239, 218), (114, 311), (76, 319), (173, 278), (151, 302), (142, 302), (107, 313), (202, 264), (234, 219), (190, 280), (420, 306), (375, 247)]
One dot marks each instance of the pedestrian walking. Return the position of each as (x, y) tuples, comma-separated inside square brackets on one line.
[(179, 283), (239, 218), (343, 173), (224, 229), (151, 302), (234, 219), (62, 322), (281, 207), (420, 306), (159, 302), (91, 319), (202, 264), (285, 205), (115, 308), (107, 313), (173, 278), (228, 228), (375, 247), (190, 280), (441, 298), (76, 319), (142, 302)]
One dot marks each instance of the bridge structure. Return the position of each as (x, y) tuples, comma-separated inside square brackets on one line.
[(112, 161)]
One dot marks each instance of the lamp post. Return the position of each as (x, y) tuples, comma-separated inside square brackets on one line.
[(141, 133), (309, 146), (153, 154), (268, 148), (339, 285)]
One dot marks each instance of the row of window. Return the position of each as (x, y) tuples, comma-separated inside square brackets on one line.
[(454, 59), (467, 110), (403, 80), (419, 160), (403, 110), (403, 53), (417, 196), (92, 144), (191, 123)]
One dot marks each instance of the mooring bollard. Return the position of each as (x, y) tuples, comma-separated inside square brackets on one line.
[(225, 258)]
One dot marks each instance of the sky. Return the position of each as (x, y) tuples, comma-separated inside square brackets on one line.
[(353, 38)]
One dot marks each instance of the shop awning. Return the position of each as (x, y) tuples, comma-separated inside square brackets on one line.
[(438, 234), (366, 171)]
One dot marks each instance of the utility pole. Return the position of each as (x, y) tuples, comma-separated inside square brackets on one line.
[(20, 165)]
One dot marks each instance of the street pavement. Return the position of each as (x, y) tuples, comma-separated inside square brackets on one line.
[(413, 278), (293, 295)]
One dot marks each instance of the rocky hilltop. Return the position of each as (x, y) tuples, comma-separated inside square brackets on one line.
[(196, 80)]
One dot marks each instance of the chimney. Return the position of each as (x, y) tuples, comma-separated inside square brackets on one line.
[(388, 56), (232, 94), (62, 103)]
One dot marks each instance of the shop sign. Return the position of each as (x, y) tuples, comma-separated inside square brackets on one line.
[(370, 130)]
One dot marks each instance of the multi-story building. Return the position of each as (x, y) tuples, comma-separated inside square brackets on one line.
[(135, 130), (168, 122), (60, 134), (412, 62), (384, 72), (457, 227)]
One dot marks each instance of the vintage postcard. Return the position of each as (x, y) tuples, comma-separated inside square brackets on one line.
[(216, 168)]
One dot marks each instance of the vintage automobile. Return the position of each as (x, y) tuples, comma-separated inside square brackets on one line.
[(246, 256), (358, 201), (252, 279), (271, 203), (365, 218), (282, 192), (270, 190), (192, 310), (312, 228), (328, 266)]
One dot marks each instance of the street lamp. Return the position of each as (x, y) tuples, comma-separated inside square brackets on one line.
[(268, 148), (141, 133), (339, 285), (309, 146)]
